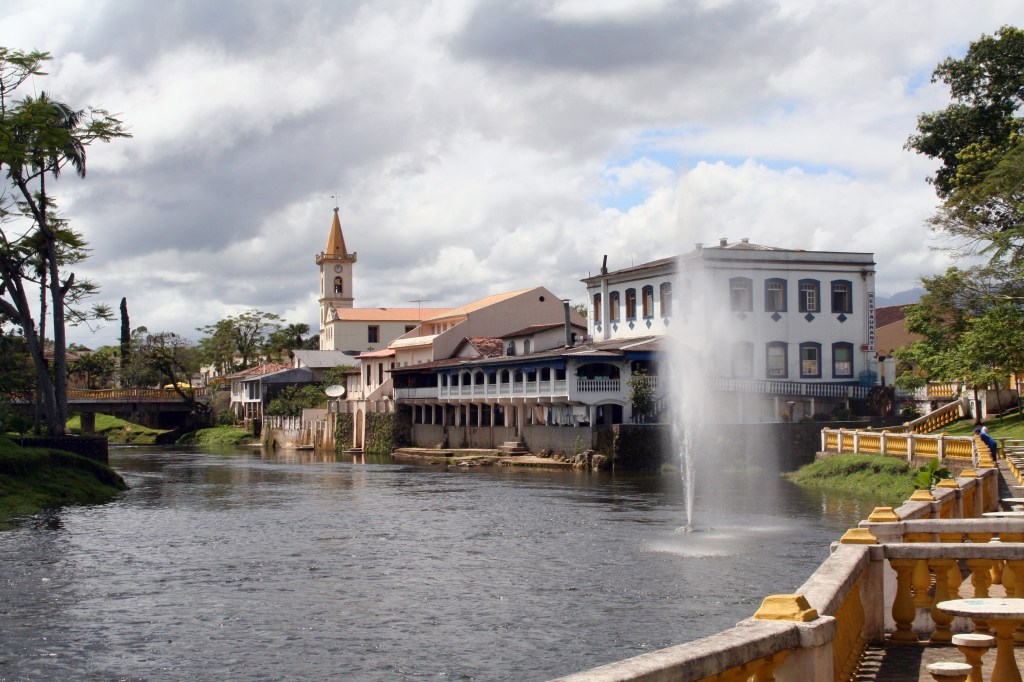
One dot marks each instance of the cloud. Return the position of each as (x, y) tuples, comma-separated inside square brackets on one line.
[(479, 147)]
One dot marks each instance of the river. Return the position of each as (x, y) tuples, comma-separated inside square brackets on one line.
[(240, 565)]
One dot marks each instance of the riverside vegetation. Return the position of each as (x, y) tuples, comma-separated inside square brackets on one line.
[(33, 479), (889, 479)]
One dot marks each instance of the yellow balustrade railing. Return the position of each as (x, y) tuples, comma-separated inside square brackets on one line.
[(959, 449), (133, 394), (941, 389), (936, 419)]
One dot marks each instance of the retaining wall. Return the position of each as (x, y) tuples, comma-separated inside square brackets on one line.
[(92, 447)]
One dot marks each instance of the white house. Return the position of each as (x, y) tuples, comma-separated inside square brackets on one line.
[(776, 333)]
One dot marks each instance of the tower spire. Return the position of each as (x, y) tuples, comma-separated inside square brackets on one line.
[(336, 240)]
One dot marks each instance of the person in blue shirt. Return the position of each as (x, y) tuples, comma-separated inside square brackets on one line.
[(988, 440)]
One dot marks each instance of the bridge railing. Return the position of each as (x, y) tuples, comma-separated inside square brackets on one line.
[(132, 394), (879, 585)]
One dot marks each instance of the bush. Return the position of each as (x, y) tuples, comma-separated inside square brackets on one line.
[(226, 418)]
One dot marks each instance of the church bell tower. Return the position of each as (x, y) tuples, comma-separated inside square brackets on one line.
[(336, 265)]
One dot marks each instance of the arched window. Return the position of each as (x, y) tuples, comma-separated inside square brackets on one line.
[(810, 299), (613, 306), (630, 304), (526, 346), (776, 361), (337, 285), (647, 298), (742, 359), (810, 360), (597, 308), (666, 299), (741, 297), (842, 360), (842, 298), (775, 295)]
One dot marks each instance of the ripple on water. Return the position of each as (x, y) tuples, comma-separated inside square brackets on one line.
[(229, 566)]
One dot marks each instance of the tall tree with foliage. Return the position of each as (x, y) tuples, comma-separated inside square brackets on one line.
[(39, 138), (978, 140), (244, 335)]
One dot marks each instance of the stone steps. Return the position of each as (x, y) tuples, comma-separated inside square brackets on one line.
[(513, 448)]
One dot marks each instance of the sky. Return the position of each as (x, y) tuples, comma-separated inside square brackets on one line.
[(477, 147)]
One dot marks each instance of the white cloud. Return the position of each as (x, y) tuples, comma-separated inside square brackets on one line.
[(480, 147)]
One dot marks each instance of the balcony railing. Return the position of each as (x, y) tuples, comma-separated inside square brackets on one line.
[(788, 388)]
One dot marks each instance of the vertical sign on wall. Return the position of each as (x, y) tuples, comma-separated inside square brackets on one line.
[(871, 321)]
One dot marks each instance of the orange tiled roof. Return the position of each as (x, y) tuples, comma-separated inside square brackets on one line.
[(260, 370), (388, 314)]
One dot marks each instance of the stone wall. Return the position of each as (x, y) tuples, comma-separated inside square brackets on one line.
[(568, 440), (92, 447)]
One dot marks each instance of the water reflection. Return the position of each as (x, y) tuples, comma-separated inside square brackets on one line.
[(245, 565)]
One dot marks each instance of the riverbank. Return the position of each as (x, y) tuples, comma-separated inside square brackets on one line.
[(218, 436), (887, 479), (475, 458), (34, 479), (117, 431)]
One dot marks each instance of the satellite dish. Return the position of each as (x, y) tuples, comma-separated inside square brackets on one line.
[(335, 391)]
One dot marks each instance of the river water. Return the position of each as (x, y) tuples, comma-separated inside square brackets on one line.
[(240, 565)]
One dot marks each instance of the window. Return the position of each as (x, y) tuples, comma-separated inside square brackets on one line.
[(775, 295), (380, 373), (740, 298), (810, 360), (337, 285), (775, 360), (842, 301), (597, 308), (526, 347), (742, 359), (684, 298), (369, 375), (373, 333), (666, 299), (613, 306), (630, 304), (648, 301), (842, 360), (810, 301)]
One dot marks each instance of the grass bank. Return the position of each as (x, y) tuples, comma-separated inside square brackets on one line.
[(118, 430), (1008, 427), (887, 479), (34, 479), (218, 436)]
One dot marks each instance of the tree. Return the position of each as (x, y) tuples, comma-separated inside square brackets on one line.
[(161, 359), (99, 366), (978, 140), (126, 332), (972, 328), (641, 395), (39, 138), (244, 335), (287, 338)]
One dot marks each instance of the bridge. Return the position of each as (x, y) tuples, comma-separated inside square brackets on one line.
[(159, 407)]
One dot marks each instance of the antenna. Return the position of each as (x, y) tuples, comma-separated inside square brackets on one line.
[(419, 306), (335, 197)]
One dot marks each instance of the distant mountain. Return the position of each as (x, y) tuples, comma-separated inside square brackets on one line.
[(901, 297)]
